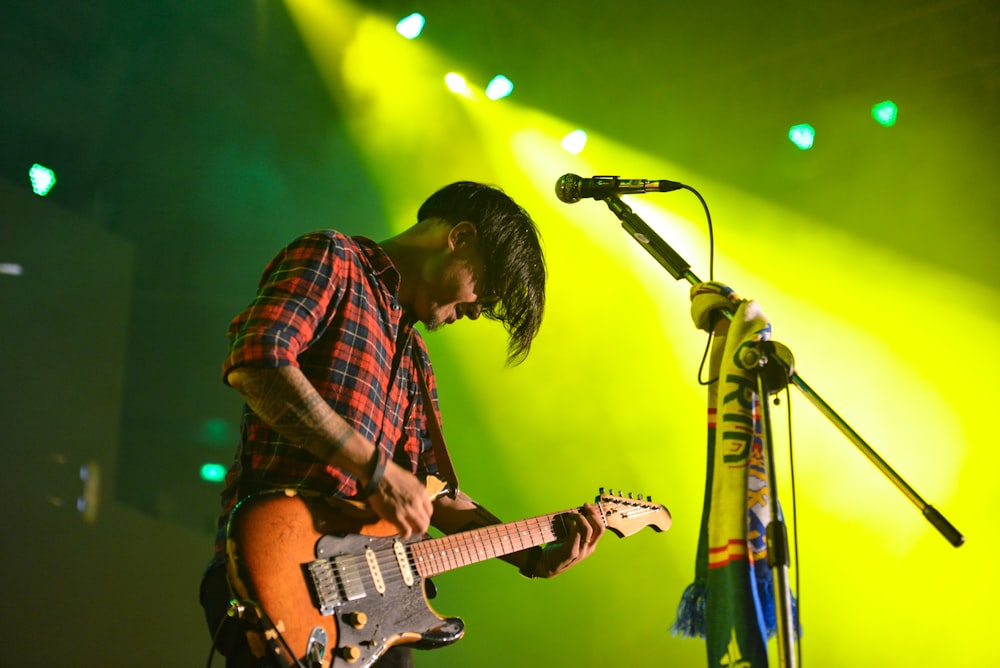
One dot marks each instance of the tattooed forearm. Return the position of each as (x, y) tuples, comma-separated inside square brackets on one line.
[(285, 399), (480, 518)]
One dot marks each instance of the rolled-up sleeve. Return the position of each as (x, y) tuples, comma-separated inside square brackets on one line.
[(297, 288)]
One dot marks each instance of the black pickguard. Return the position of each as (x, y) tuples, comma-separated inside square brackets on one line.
[(398, 615)]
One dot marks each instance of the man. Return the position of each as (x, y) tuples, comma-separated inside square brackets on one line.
[(330, 366)]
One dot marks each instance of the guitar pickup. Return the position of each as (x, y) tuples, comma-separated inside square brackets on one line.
[(335, 581)]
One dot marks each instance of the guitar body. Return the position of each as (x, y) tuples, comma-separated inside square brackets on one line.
[(330, 584)]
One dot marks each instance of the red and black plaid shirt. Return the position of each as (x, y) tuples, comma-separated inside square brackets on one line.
[(327, 304)]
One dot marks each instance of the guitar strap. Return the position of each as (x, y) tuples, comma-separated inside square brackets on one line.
[(441, 456)]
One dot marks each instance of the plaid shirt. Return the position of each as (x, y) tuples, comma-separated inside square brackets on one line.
[(327, 304)]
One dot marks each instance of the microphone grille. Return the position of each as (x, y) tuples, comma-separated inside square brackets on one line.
[(568, 188)]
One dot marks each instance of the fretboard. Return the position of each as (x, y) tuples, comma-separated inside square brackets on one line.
[(438, 555)]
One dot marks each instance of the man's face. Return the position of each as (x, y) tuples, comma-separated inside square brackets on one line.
[(456, 287)]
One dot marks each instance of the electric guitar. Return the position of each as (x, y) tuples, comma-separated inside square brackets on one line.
[(329, 584)]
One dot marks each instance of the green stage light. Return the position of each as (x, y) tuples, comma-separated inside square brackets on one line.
[(215, 431), (411, 26), (885, 113), (802, 135), (213, 472), (499, 87), (42, 179)]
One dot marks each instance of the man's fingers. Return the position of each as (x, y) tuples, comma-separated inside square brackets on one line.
[(592, 524), (414, 517), (402, 500)]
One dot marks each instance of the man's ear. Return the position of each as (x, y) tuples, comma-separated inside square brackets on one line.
[(461, 234)]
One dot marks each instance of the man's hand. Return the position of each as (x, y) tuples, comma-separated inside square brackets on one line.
[(584, 530), (402, 500)]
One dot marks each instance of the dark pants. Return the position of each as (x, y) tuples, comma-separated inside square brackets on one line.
[(230, 633)]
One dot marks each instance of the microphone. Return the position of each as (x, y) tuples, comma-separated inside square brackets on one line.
[(571, 188)]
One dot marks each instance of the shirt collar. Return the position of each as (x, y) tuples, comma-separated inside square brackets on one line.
[(380, 263)]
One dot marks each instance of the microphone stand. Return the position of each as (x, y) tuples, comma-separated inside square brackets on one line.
[(776, 371)]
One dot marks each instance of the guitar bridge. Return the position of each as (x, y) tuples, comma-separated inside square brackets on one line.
[(335, 581)]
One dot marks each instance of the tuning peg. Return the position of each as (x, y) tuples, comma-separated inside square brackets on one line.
[(630, 495), (600, 490), (649, 499)]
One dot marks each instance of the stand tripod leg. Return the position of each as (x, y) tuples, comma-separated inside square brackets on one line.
[(946, 528)]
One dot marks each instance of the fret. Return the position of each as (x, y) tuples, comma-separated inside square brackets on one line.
[(438, 555)]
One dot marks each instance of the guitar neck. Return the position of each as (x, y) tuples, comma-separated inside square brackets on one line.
[(438, 555)]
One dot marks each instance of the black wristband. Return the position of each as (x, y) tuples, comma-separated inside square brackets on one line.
[(531, 563), (376, 477)]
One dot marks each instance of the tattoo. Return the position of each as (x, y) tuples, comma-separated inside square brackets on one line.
[(290, 404), (481, 518)]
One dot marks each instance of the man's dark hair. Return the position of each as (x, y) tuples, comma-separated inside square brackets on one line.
[(512, 252)]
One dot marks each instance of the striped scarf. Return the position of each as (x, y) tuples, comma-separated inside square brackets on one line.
[(731, 604)]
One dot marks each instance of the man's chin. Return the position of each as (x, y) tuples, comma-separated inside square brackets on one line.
[(437, 319)]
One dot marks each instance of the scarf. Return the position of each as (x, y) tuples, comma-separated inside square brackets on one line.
[(731, 603)]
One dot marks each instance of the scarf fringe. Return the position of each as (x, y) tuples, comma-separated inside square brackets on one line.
[(690, 622)]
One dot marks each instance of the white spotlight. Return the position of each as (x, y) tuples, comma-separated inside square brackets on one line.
[(499, 87), (575, 141), (411, 26), (456, 83)]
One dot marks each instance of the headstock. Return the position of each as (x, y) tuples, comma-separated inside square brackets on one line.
[(625, 516)]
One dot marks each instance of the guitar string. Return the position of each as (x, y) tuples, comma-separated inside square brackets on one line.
[(388, 563), (536, 530), (434, 558), (457, 547), (459, 544)]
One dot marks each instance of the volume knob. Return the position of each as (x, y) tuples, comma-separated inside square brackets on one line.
[(357, 619), (350, 653)]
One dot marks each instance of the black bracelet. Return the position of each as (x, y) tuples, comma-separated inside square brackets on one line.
[(376, 476), (531, 563)]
